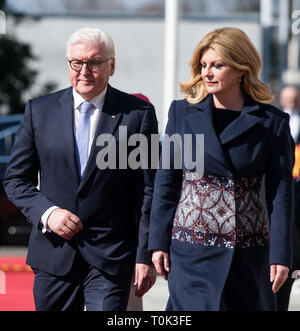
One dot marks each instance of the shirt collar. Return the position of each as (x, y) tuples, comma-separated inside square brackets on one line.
[(97, 101)]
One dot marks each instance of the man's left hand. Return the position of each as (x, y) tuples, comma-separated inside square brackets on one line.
[(145, 276)]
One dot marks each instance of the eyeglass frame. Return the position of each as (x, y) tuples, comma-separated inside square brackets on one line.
[(87, 63)]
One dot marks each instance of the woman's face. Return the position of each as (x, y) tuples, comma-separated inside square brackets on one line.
[(218, 76)]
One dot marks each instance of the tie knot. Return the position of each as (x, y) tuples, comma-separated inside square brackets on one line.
[(86, 107)]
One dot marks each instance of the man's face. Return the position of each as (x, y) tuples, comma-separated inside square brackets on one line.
[(289, 98), (86, 82)]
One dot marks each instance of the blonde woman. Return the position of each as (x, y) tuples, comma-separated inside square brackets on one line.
[(222, 239)]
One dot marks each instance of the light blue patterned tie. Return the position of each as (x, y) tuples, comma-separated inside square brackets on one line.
[(83, 134)]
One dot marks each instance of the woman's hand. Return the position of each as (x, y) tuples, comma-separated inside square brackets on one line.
[(161, 262), (278, 275)]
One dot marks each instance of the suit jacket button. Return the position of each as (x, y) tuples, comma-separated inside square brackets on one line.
[(79, 199)]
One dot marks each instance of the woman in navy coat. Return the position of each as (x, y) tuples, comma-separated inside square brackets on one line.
[(222, 237)]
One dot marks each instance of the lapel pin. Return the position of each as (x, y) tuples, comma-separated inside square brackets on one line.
[(113, 116)]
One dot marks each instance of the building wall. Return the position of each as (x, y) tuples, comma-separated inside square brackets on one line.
[(139, 49)]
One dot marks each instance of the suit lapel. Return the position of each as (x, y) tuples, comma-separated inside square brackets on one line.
[(108, 121), (65, 123)]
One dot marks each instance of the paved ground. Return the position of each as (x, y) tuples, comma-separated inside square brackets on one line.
[(13, 250), (294, 304), (156, 299)]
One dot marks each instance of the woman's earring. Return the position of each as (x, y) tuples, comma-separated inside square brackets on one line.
[(240, 79)]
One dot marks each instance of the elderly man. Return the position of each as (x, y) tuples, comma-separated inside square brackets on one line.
[(289, 100), (90, 225)]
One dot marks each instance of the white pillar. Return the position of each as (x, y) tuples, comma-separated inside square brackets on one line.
[(266, 15), (295, 52), (170, 57), (2, 23), (283, 31), (266, 12), (283, 36)]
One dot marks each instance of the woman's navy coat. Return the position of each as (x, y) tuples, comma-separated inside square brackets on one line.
[(223, 230)]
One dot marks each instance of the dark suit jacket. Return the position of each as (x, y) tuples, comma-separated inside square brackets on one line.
[(256, 144), (113, 204)]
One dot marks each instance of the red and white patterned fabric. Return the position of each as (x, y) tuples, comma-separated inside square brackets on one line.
[(221, 212)]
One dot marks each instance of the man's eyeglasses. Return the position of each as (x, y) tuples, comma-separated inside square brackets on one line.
[(93, 65)]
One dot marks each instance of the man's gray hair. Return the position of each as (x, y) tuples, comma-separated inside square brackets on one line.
[(93, 35)]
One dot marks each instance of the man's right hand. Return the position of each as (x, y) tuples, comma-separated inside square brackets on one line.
[(64, 223)]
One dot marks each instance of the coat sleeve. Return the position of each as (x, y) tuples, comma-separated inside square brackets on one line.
[(21, 177), (279, 195), (144, 182), (167, 189)]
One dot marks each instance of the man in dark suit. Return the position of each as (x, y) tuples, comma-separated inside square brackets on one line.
[(289, 100), (90, 225)]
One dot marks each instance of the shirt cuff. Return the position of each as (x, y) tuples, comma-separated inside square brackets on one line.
[(44, 219)]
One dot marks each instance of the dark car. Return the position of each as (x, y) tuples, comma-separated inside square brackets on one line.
[(14, 229)]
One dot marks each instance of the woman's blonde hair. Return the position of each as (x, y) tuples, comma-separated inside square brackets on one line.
[(236, 49)]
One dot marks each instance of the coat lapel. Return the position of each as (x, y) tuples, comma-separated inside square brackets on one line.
[(201, 121), (246, 121), (108, 121)]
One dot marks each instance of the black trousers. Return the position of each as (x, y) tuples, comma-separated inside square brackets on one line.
[(83, 287)]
